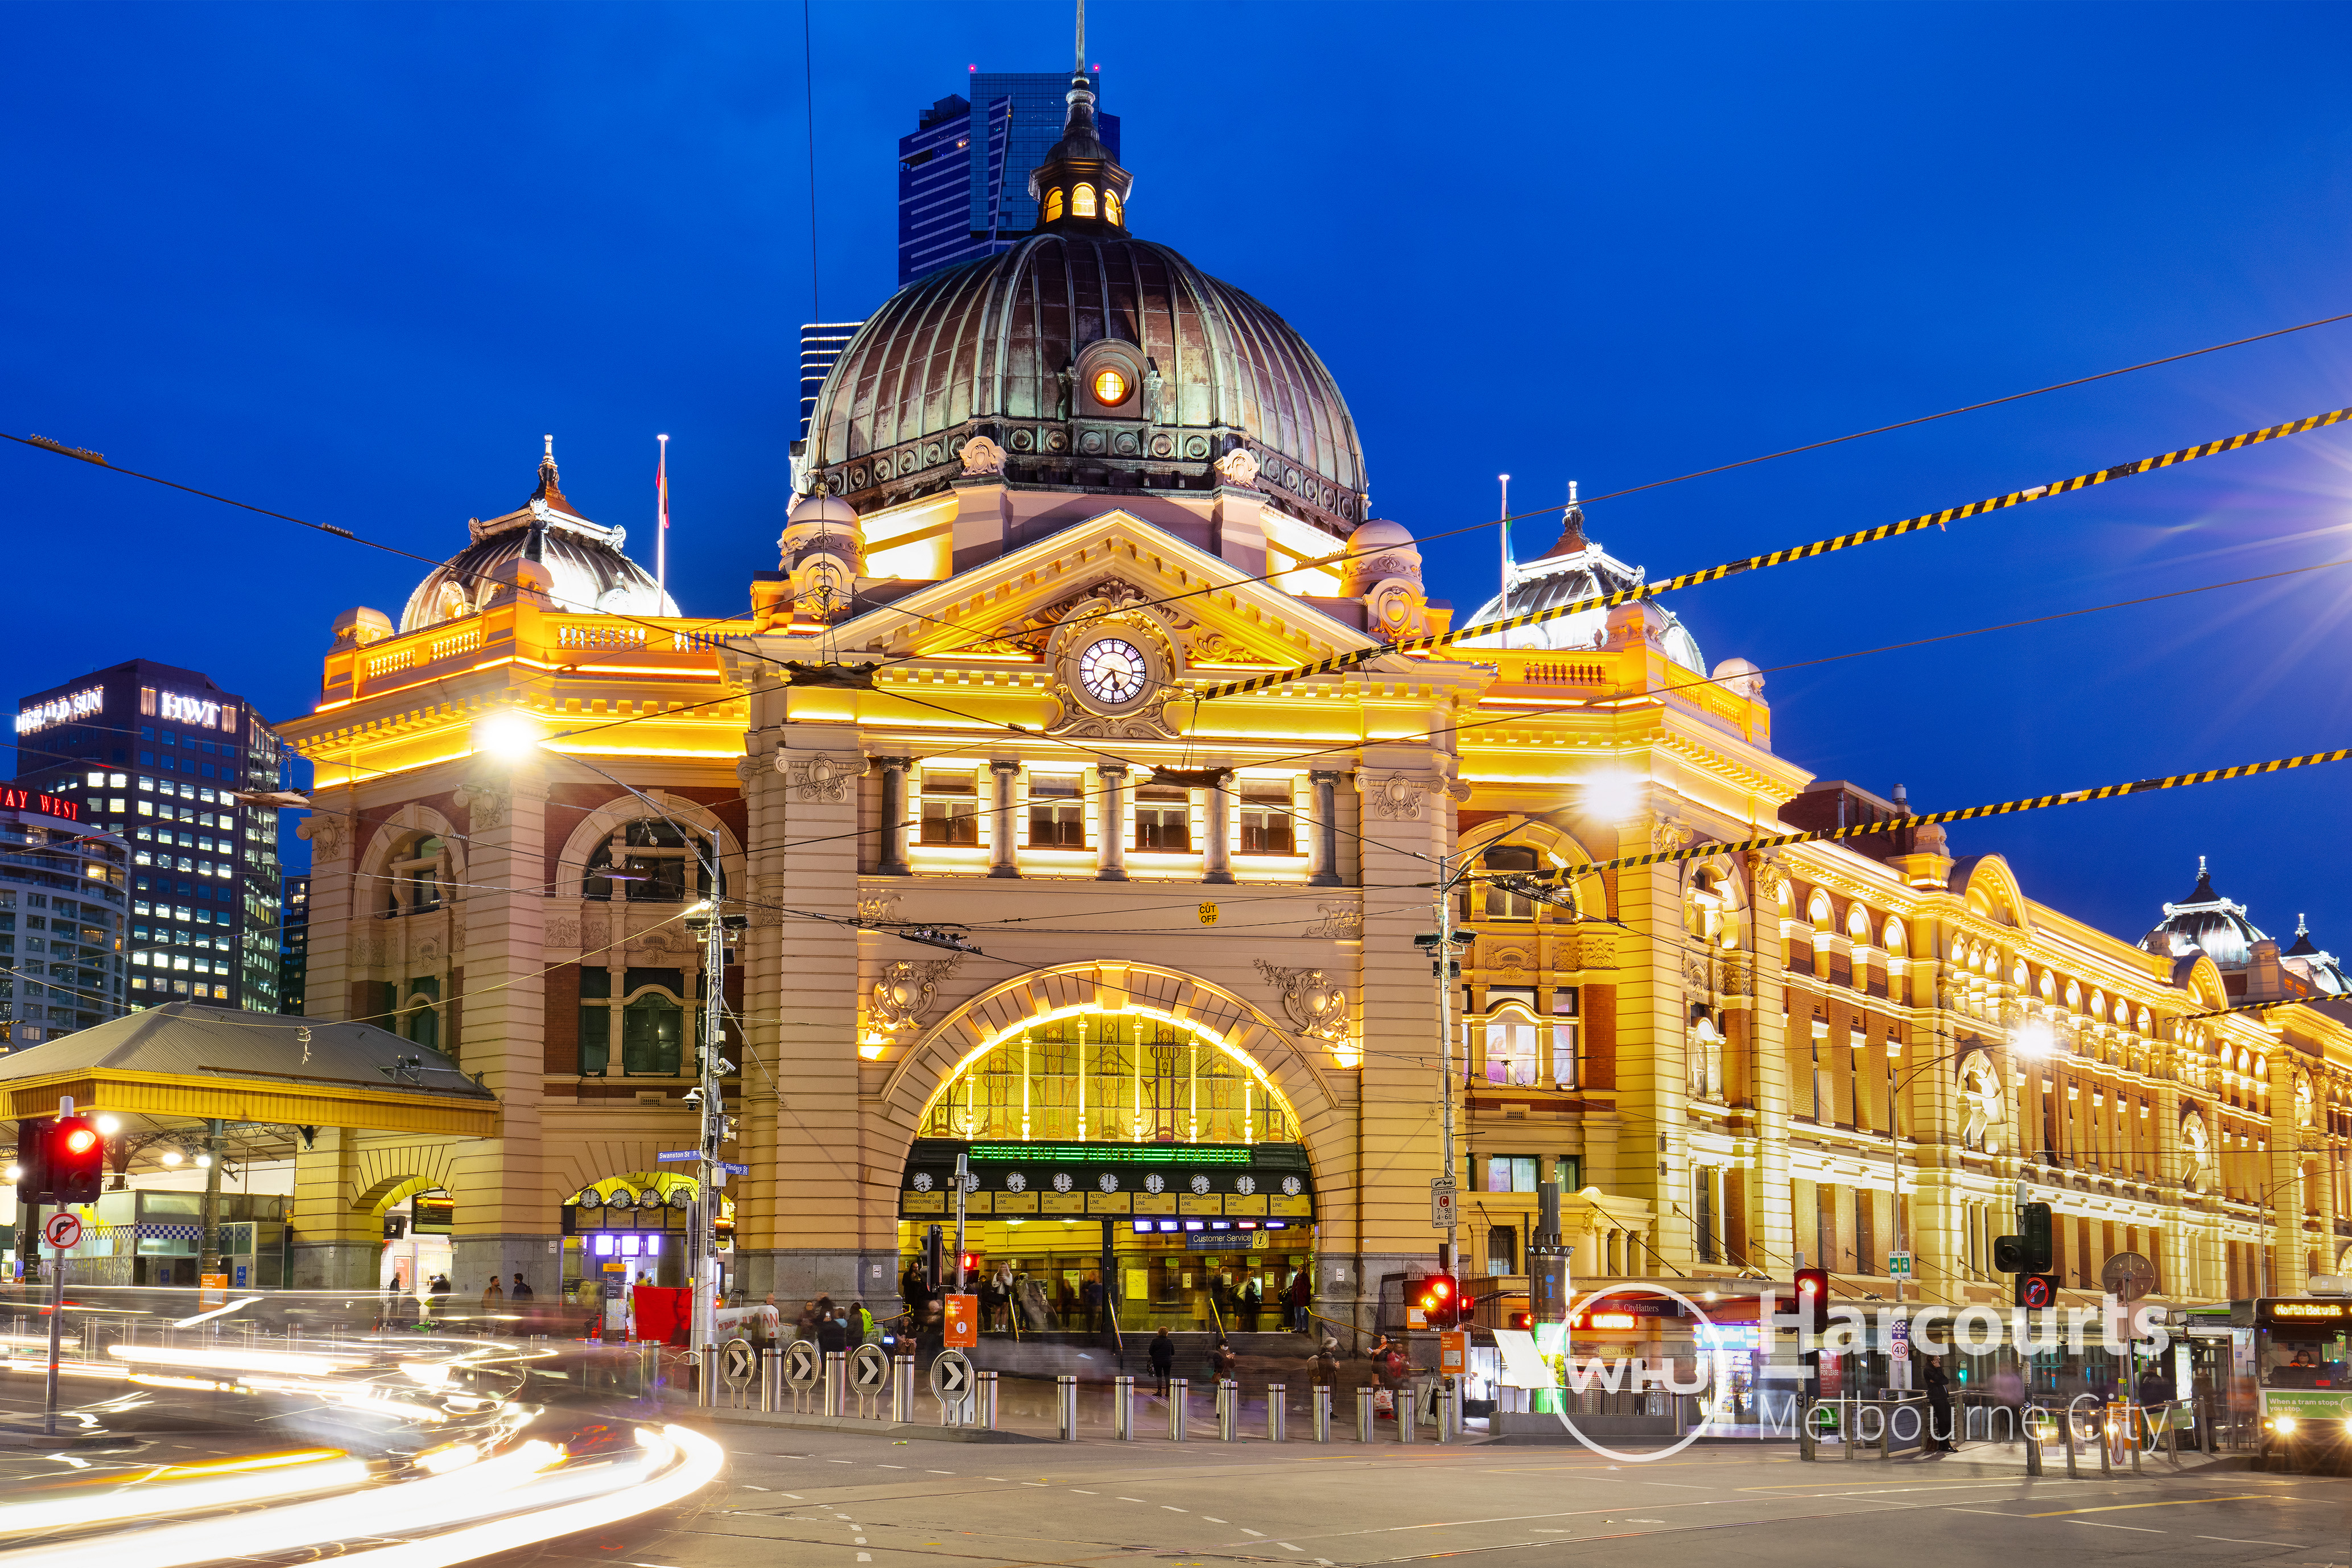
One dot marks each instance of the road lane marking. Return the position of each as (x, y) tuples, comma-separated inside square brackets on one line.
[(865, 1557), (1171, 1508), (1288, 1547), (1082, 1491), (1259, 1534), (938, 1472), (2094, 1525), (1212, 1518), (1130, 1500), (2241, 1540), (2118, 1507), (882, 1467)]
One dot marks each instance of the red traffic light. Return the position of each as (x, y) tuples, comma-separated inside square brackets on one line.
[(76, 1160), (1814, 1298), (1437, 1298), (1523, 1320)]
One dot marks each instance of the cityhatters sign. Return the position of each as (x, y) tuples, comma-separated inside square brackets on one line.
[(67, 709), (201, 712)]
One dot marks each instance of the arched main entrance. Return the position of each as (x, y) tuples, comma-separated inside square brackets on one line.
[(1127, 1150)]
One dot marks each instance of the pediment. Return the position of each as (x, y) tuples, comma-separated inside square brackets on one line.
[(1114, 568)]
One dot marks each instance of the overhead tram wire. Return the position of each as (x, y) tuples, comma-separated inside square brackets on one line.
[(1645, 591), (1700, 473), (1961, 814)]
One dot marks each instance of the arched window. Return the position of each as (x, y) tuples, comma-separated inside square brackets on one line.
[(1513, 1051), (1111, 207), (1818, 911), (647, 861), (417, 875), (1857, 924), (1501, 903), (1082, 202), (645, 1024), (1706, 1055), (420, 1012), (1054, 203), (1896, 941)]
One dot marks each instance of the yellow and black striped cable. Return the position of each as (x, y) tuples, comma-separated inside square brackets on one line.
[(1967, 812), (1777, 557)]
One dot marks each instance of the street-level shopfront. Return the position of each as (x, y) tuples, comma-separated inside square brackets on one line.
[(641, 1221), (1183, 1229)]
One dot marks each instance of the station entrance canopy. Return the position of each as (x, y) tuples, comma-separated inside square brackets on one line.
[(187, 1061)]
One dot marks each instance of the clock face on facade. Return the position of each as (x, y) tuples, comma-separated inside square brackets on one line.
[(1112, 671)]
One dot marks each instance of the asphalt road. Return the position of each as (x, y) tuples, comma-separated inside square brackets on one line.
[(827, 1500)]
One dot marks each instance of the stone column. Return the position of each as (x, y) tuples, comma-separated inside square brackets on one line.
[(508, 1218), (894, 818), (1111, 846), (1217, 845), (1325, 851), (1002, 837), (1770, 1225)]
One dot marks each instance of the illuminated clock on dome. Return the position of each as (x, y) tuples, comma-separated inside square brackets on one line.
[(1110, 388), (1112, 671)]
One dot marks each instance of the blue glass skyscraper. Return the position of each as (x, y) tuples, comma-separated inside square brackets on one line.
[(964, 175)]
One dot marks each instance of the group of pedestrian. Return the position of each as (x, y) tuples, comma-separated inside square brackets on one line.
[(1224, 1362)]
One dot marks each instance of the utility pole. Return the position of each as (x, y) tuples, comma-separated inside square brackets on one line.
[(1442, 945), (710, 1172)]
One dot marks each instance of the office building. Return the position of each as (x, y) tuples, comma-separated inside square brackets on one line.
[(821, 344), (61, 918), (157, 754), (293, 943), (963, 175)]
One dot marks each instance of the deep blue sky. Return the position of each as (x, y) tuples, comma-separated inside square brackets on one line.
[(350, 261)]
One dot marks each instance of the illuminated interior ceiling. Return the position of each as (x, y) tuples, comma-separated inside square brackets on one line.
[(1134, 1076)]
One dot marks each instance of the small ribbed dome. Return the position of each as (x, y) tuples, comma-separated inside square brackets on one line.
[(1575, 569), (587, 571), (1379, 535), (2326, 974), (2206, 921)]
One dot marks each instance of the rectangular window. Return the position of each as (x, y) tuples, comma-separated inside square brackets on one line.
[(596, 1021), (1511, 1053), (652, 1037), (1510, 1173), (1502, 903), (1563, 1002), (1565, 1038), (1703, 1202), (1268, 826), (1163, 818), (1503, 1249), (950, 807)]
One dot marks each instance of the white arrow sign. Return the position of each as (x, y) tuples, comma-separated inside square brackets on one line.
[(869, 1368), (951, 1375)]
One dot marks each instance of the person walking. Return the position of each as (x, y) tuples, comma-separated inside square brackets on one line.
[(1302, 1300), (1163, 1360), (1938, 1439), (833, 1333), (1091, 1301), (1253, 1301)]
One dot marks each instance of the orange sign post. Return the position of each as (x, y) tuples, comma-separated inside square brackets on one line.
[(962, 1322), (1453, 1352)]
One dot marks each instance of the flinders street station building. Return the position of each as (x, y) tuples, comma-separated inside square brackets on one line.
[(1179, 1023)]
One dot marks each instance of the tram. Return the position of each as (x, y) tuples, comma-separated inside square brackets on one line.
[(2302, 1375)]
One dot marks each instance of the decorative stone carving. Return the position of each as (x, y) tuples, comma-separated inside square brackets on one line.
[(328, 834), (1764, 871), (821, 775), (1317, 1005), (750, 768), (1343, 922), (367, 952), (428, 951), (665, 938), (874, 908), (1509, 958), (563, 930), (1667, 837), (1592, 950), (902, 996), (595, 932), (764, 906), (485, 805), (1238, 467), (1397, 797), (982, 456)]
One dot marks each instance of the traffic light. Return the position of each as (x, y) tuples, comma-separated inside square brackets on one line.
[(2028, 1253), (971, 1264), (1814, 1298), (2036, 1290), (1524, 1321), (32, 1151), (76, 1157), (934, 1258), (1440, 1301)]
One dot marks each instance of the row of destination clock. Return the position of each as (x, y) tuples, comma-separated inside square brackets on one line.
[(1108, 1180)]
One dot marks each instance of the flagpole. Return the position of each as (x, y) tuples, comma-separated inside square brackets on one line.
[(661, 521)]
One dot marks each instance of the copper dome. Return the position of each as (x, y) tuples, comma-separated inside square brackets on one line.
[(1014, 346)]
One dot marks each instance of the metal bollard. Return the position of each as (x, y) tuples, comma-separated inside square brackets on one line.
[(836, 1382), (1808, 1448), (1277, 1411), (706, 1376), (1122, 1408), (2172, 1435), (1322, 1416), (1408, 1412), (1066, 1406), (1445, 1398), (2106, 1440), (2073, 1472), (984, 1392), (1364, 1414), (2136, 1415), (1178, 1389), (771, 1376), (1229, 1410)]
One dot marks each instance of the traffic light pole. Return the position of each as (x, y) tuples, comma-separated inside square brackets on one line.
[(1444, 967), (57, 1333)]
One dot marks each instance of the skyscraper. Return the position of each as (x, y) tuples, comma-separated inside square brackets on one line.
[(158, 754), (964, 175)]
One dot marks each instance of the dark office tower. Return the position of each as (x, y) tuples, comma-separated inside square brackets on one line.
[(294, 946), (160, 755), (964, 175)]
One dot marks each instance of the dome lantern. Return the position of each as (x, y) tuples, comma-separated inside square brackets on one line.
[(1080, 186)]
